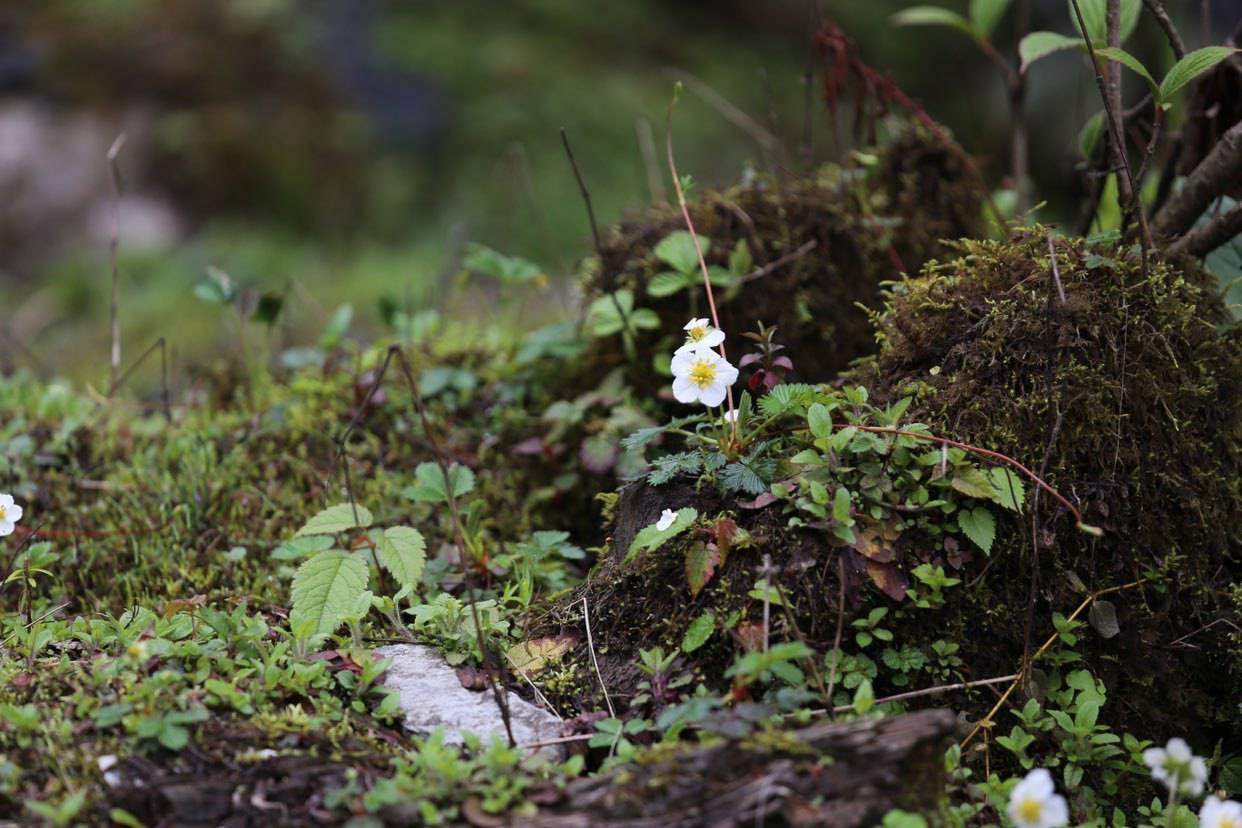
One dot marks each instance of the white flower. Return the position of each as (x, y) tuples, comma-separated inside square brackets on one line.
[(701, 375), (1218, 814), (701, 334), (1177, 767), (666, 519), (11, 513), (730, 416), (1034, 803)]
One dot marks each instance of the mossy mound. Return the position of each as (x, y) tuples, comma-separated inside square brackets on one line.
[(1124, 389), (995, 358), (821, 246)]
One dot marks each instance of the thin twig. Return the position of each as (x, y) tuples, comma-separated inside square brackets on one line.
[(114, 245), (586, 194), (759, 273), (1166, 25), (836, 641), (646, 146), (986, 721), (117, 382), (1056, 273), (586, 617), (767, 141), (1113, 119)]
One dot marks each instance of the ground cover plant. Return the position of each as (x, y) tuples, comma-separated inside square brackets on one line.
[(866, 495)]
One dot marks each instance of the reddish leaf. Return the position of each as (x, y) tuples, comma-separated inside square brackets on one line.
[(529, 446), (701, 562), (751, 636), (891, 580), (725, 530), (471, 678), (765, 499), (872, 546)]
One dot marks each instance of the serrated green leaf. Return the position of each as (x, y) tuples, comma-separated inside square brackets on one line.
[(677, 251), (698, 632), (335, 519), (1008, 490), (1039, 45), (985, 14), (701, 563), (978, 525), (324, 590), (1130, 62), (666, 284), (739, 477), (1190, 67), (652, 537), (934, 16), (402, 551)]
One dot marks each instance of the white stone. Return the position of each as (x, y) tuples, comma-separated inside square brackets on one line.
[(432, 696)]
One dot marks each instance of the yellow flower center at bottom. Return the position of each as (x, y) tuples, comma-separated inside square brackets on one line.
[(1030, 809), (1229, 822), (702, 373)]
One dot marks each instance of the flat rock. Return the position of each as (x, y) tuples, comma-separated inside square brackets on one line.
[(432, 697)]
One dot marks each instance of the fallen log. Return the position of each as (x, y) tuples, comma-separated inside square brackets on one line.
[(827, 774)]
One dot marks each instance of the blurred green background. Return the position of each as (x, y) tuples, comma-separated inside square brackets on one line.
[(344, 151)]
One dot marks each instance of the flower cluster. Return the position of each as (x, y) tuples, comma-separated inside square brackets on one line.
[(10, 514), (700, 375), (1177, 767)]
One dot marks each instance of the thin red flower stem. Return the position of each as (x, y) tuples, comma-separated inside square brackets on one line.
[(685, 214)]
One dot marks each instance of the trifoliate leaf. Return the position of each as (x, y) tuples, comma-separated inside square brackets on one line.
[(335, 519), (402, 551), (701, 563), (652, 537), (698, 632), (324, 590), (677, 251), (979, 526), (1008, 489)]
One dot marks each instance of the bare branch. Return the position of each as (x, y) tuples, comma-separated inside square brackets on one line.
[(1220, 169), (1170, 31), (1203, 240)]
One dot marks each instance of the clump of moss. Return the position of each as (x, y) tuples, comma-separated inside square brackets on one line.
[(1120, 385), (821, 246)]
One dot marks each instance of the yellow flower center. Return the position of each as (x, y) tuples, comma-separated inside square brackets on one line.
[(696, 333), (702, 373), (3, 515), (1030, 809), (1229, 822)]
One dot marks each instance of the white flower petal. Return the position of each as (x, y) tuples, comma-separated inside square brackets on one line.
[(1154, 758), (713, 395), (730, 416), (13, 513), (1178, 750), (666, 519), (6, 500), (683, 359), (712, 339), (684, 391), (6, 528), (696, 323)]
